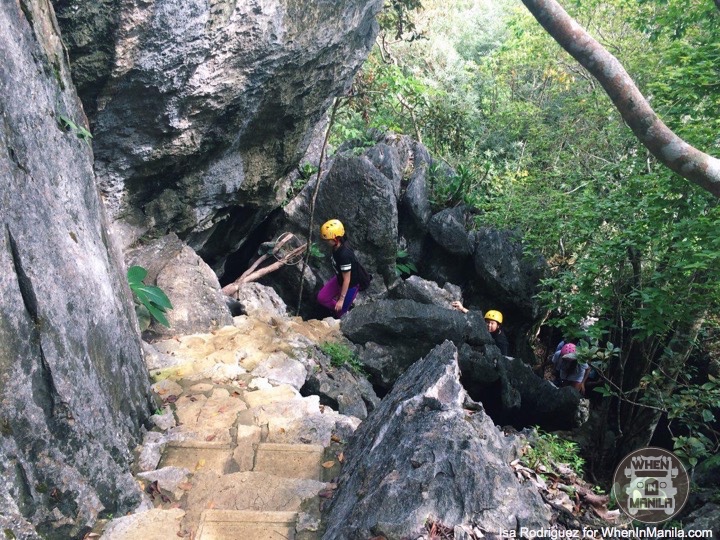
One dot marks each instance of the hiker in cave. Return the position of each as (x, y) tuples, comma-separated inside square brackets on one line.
[(569, 370), (339, 292), (493, 319)]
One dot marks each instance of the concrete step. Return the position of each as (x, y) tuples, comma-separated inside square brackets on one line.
[(290, 460), (246, 525), (198, 456)]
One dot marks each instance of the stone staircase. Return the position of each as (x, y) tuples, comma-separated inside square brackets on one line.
[(234, 456)]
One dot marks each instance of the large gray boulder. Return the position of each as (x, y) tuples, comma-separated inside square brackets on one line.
[(199, 109), (73, 385), (189, 283), (504, 268), (449, 230), (426, 292), (422, 455), (408, 330)]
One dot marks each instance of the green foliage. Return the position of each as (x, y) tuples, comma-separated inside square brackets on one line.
[(307, 171), (692, 408), (66, 124), (548, 450), (596, 356), (403, 265), (316, 252), (341, 355), (534, 144), (396, 18), (150, 301)]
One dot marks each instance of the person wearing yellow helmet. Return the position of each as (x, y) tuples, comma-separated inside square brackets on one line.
[(493, 319), (339, 292)]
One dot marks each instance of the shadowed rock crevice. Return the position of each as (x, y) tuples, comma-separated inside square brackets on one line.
[(25, 286)]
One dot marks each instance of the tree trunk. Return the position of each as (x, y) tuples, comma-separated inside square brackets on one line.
[(690, 163)]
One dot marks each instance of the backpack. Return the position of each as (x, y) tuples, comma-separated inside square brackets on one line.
[(364, 277)]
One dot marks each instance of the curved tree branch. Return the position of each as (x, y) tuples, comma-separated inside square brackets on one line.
[(690, 163)]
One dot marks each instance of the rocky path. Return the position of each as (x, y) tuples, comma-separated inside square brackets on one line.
[(236, 452)]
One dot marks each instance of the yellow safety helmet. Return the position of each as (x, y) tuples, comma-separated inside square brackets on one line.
[(494, 315), (332, 229)]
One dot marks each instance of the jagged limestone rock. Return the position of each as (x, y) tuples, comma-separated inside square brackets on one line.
[(422, 455), (73, 385)]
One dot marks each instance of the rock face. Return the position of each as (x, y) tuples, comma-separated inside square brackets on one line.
[(513, 394), (199, 109), (420, 455), (407, 328), (503, 267), (73, 385)]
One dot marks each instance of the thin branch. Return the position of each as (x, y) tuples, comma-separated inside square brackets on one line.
[(335, 107), (252, 274), (676, 154), (411, 110)]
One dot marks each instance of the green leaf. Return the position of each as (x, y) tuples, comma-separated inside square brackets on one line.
[(158, 315), (136, 274), (155, 295), (604, 391)]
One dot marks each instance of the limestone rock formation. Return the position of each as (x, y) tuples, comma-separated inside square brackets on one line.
[(407, 329), (421, 455), (73, 386), (426, 292), (513, 394), (503, 267), (393, 334), (199, 109)]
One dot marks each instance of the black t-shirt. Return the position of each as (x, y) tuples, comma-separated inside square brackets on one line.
[(501, 341), (343, 260)]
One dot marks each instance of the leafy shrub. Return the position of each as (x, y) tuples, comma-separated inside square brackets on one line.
[(150, 301), (403, 265), (547, 449), (341, 355)]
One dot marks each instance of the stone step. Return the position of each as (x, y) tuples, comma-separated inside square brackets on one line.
[(246, 525), (290, 460), (249, 491), (198, 455), (155, 524)]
